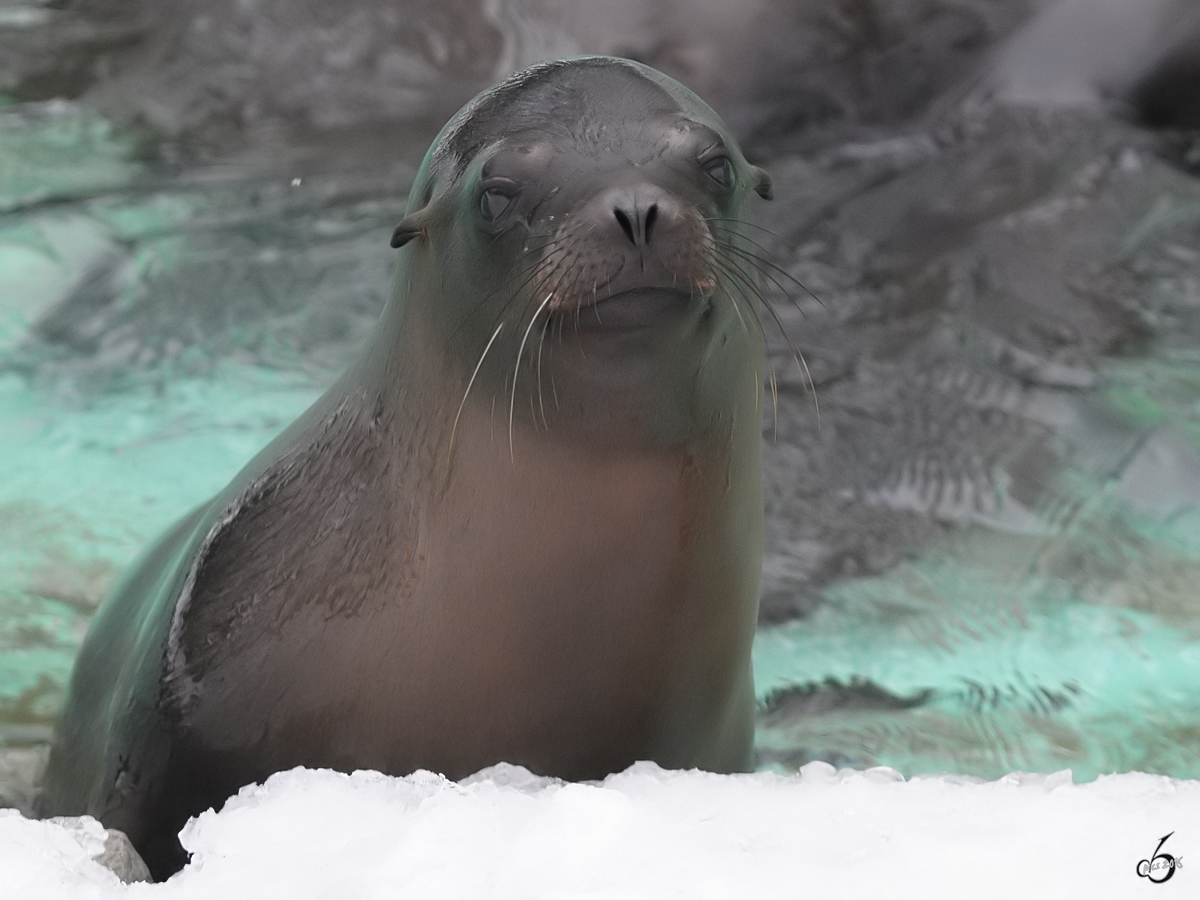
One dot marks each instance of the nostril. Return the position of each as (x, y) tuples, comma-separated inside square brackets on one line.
[(651, 218), (626, 224), (637, 221)]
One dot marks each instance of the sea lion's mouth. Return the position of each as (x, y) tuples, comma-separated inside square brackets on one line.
[(643, 307)]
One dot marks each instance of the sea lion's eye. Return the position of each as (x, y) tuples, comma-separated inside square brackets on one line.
[(720, 170), (494, 202)]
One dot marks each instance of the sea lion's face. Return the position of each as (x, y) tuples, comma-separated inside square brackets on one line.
[(625, 227), (589, 228)]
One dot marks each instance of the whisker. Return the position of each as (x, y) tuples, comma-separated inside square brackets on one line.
[(764, 255), (728, 268), (749, 291), (466, 393), (564, 264), (796, 354), (774, 398), (764, 261), (722, 266), (541, 344), (530, 270), (779, 237), (516, 370)]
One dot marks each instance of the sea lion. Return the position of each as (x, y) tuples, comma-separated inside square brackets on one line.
[(525, 526)]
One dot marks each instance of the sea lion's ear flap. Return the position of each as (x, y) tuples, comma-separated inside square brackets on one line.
[(762, 183), (408, 229)]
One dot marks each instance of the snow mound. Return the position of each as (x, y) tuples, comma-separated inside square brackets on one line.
[(645, 833)]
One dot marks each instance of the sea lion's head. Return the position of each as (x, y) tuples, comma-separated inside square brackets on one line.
[(582, 226)]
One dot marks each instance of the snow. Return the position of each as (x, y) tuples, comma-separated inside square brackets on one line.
[(645, 833)]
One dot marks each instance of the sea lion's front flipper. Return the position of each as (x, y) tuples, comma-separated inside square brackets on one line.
[(111, 724)]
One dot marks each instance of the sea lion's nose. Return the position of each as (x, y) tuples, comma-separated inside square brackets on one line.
[(636, 212)]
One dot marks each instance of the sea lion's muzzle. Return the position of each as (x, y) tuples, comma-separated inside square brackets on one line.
[(633, 246)]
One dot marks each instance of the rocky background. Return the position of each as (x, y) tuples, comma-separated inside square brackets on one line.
[(982, 495)]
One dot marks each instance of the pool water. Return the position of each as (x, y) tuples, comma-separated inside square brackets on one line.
[(156, 332)]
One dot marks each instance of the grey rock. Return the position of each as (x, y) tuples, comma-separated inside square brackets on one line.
[(122, 859)]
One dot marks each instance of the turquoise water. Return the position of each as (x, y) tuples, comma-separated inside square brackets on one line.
[(89, 479), (1058, 637), (1070, 642)]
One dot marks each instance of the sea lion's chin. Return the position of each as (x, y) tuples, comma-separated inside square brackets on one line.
[(637, 308)]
